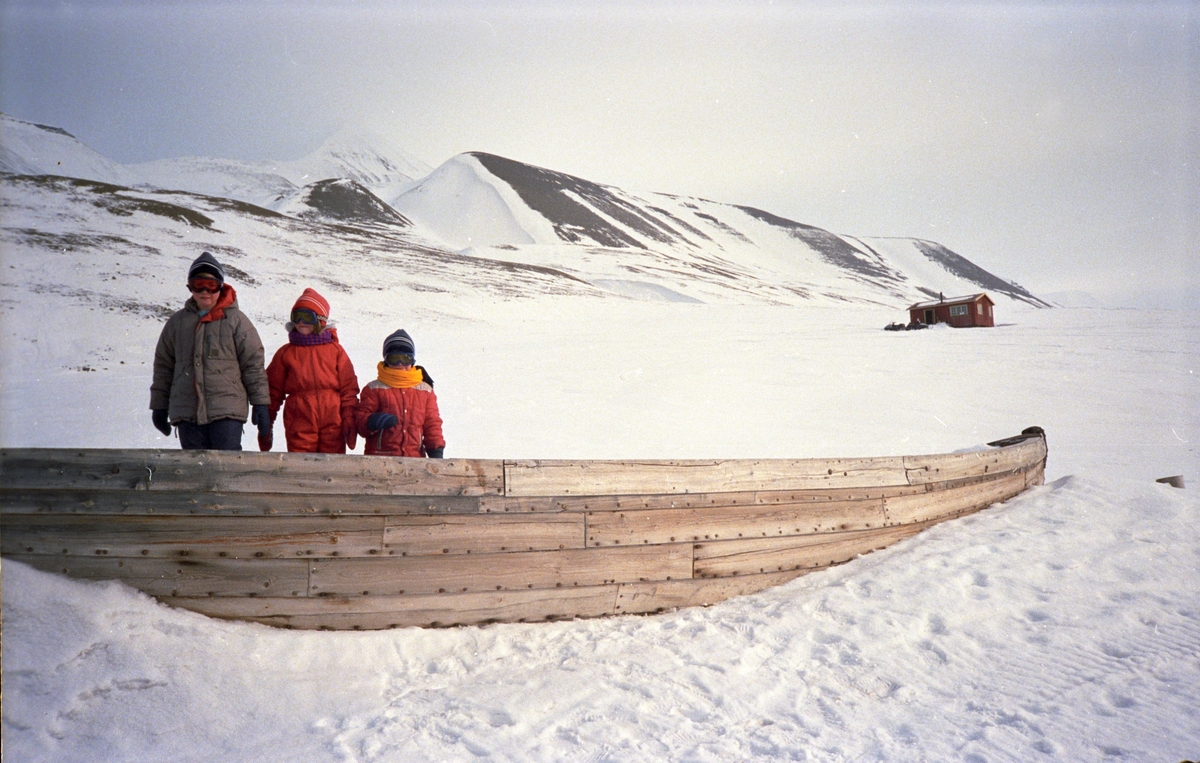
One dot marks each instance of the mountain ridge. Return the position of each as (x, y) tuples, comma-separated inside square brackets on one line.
[(498, 209)]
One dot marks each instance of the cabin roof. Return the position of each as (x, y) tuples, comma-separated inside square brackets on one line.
[(951, 301)]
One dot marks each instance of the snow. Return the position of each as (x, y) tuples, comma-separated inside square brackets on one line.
[(41, 149), (365, 156), (1063, 625), (463, 205)]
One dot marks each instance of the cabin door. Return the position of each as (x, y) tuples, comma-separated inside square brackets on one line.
[(929, 317)]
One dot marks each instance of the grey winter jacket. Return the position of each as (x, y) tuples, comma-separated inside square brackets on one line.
[(211, 370)]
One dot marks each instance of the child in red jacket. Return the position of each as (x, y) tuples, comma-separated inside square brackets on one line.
[(313, 373), (397, 414)]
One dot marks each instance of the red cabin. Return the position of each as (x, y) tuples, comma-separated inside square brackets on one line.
[(960, 312)]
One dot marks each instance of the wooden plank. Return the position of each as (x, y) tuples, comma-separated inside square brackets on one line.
[(591, 503), (567, 478), (1036, 474), (775, 497), (503, 504), (183, 577), (379, 612), (922, 469), (245, 471), (646, 598), (191, 537), (394, 576), (201, 503), (481, 534), (607, 528), (942, 503), (721, 500), (759, 555)]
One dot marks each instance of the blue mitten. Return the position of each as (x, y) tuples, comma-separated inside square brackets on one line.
[(159, 417), (260, 416), (380, 420)]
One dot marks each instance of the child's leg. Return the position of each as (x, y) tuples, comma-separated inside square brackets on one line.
[(331, 440)]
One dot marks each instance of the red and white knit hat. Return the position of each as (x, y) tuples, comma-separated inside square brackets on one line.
[(311, 300)]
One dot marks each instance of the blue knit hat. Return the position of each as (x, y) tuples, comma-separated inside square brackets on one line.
[(206, 266), (399, 342)]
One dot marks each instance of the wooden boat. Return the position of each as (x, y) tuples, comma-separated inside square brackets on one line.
[(346, 541)]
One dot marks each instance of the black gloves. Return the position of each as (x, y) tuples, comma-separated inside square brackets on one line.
[(260, 416), (159, 417), (380, 420), (434, 452)]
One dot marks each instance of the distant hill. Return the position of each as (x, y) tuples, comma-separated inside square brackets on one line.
[(474, 208), (483, 201)]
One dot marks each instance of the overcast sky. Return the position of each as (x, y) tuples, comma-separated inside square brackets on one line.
[(1057, 145)]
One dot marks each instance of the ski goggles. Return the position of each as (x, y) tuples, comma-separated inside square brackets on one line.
[(398, 359), (305, 316), (204, 286)]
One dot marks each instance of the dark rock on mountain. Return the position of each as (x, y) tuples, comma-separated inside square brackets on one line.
[(549, 193), (960, 266), (345, 201), (833, 249)]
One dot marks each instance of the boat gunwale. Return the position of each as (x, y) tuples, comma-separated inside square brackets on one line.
[(436, 479)]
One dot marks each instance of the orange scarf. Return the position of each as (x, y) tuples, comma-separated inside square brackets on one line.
[(227, 297), (398, 377)]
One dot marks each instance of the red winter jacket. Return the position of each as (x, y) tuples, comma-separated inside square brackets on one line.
[(319, 384), (420, 426)]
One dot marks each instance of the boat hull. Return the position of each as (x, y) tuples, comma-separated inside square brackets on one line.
[(353, 542)]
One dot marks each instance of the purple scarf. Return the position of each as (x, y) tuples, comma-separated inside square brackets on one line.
[(310, 340)]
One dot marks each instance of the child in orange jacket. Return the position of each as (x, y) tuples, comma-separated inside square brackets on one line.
[(313, 374), (397, 414)]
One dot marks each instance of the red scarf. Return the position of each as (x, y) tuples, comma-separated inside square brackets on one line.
[(227, 298)]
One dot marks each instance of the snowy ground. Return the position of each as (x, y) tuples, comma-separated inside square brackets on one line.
[(1064, 625)]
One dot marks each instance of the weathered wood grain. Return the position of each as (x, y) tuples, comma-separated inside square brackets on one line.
[(394, 576), (594, 503), (797, 552), (567, 478), (608, 528), (205, 503), (1036, 474), (503, 504), (379, 612), (940, 503), (720, 500), (939, 468), (659, 596), (192, 537), (244, 471), (516, 606), (184, 577), (482, 534)]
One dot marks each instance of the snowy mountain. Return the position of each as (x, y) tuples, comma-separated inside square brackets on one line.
[(475, 210), (365, 158), (32, 149), (482, 201)]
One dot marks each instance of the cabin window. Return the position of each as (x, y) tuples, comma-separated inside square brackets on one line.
[(958, 310), (980, 306)]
